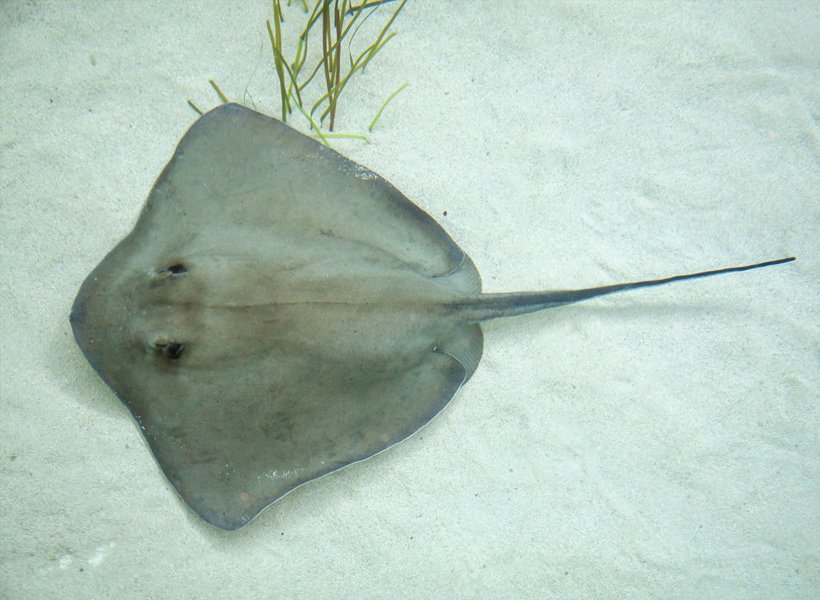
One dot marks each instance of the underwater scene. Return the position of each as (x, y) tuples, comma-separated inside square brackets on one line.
[(356, 298)]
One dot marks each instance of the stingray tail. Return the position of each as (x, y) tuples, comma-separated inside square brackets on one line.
[(493, 306)]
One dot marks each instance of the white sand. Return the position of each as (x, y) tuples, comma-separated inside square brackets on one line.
[(661, 444)]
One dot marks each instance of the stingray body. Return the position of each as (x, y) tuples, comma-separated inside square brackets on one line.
[(280, 312)]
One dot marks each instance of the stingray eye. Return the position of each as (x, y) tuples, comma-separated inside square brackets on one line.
[(171, 350), (174, 270)]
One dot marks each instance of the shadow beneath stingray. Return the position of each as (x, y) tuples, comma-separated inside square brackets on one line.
[(622, 309)]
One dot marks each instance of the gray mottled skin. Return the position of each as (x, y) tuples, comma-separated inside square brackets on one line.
[(280, 312)]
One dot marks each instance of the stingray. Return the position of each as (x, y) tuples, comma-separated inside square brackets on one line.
[(280, 312)]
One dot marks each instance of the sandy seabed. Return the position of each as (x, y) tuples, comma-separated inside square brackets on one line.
[(661, 444)]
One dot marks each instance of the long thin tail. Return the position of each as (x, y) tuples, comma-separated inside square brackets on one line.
[(492, 306)]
